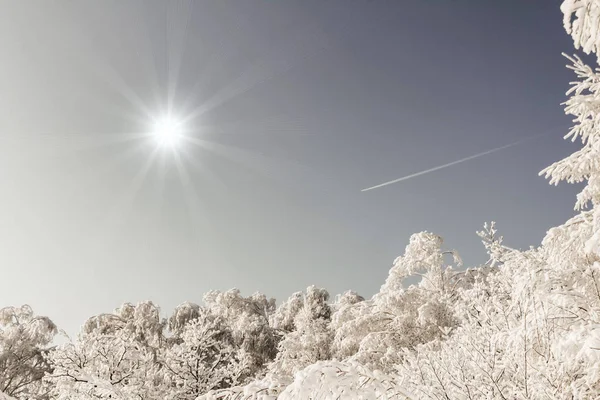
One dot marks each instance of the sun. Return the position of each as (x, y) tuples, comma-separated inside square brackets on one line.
[(167, 132)]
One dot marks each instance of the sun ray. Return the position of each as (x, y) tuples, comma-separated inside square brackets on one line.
[(161, 178), (122, 206), (199, 218), (214, 59), (198, 166), (260, 72), (257, 163), (276, 124), (174, 53), (111, 76)]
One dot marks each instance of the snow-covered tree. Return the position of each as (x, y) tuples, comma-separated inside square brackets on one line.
[(582, 22), (248, 319), (205, 359), (115, 356), (182, 315), (283, 317), (583, 165), (105, 366), (142, 321), (310, 341), (24, 342), (373, 332)]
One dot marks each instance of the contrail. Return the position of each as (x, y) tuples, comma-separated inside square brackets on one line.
[(451, 163)]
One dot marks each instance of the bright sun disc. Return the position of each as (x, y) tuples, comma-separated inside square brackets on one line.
[(167, 132)]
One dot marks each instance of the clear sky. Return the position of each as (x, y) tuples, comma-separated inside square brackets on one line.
[(296, 106)]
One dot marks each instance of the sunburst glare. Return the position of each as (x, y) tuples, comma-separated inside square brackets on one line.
[(168, 131)]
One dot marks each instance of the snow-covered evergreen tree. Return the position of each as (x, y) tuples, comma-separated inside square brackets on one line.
[(582, 22)]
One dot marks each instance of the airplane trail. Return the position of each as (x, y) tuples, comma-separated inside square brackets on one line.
[(451, 163)]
